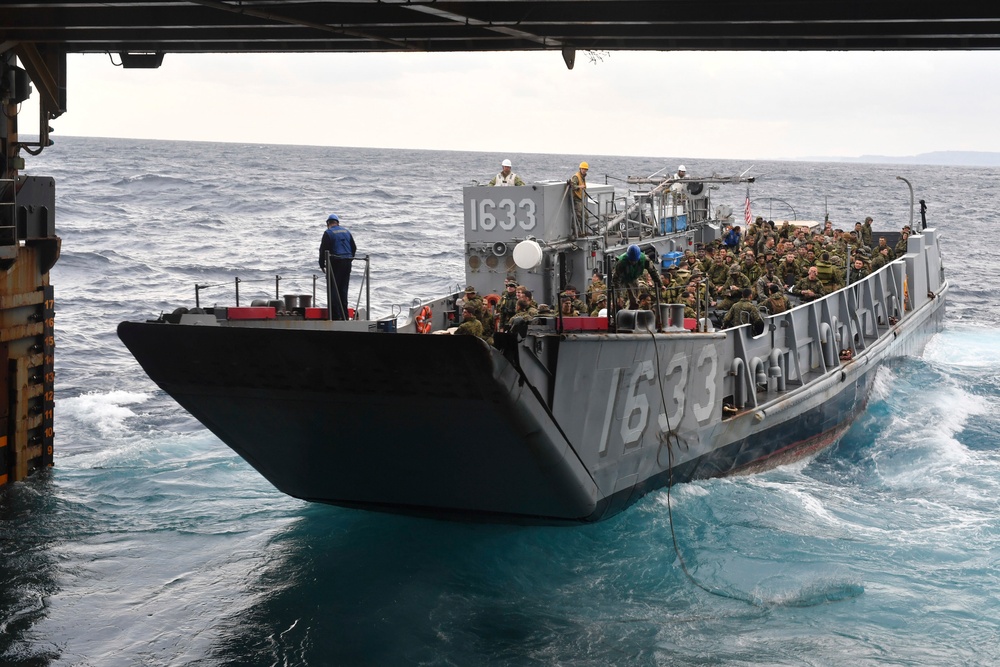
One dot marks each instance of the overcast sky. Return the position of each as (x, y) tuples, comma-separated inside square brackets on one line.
[(699, 104)]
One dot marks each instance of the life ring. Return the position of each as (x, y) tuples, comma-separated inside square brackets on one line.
[(423, 320), (492, 299)]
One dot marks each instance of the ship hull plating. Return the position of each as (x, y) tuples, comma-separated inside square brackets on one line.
[(447, 427)]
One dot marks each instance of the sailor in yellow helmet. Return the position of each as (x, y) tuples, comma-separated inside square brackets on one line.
[(578, 183)]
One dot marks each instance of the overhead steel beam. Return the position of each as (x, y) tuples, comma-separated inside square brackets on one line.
[(200, 26)]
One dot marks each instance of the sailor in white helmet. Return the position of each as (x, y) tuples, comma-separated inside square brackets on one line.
[(681, 173), (506, 176)]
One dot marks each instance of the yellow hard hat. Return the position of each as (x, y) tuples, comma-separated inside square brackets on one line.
[(584, 165)]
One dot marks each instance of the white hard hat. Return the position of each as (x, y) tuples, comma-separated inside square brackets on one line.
[(505, 163), (681, 168)]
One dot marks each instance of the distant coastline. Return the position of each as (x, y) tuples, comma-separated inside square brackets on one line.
[(943, 158)]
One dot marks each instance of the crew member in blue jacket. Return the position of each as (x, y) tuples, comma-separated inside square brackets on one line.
[(732, 238), (340, 244)]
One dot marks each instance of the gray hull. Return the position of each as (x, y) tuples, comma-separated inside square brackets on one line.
[(549, 427)]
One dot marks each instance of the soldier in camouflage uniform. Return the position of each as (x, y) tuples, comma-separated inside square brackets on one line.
[(744, 311), (595, 287), (831, 277), (729, 298), (473, 298), (709, 259), (788, 270), (574, 295), (882, 243), (600, 303), (522, 292), (508, 303), (526, 308), (719, 271), (776, 301), (483, 311), (811, 287), (674, 285), (750, 268), (881, 259), (866, 232), (735, 277), (900, 248), (470, 326), (769, 277), (858, 271)]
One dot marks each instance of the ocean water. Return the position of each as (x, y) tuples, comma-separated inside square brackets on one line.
[(151, 543)]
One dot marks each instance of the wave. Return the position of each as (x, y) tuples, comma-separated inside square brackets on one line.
[(152, 182), (965, 347), (104, 412)]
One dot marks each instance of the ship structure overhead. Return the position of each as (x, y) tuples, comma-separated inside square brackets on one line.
[(588, 411), (141, 32)]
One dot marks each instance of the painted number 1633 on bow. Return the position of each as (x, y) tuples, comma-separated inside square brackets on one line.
[(505, 214)]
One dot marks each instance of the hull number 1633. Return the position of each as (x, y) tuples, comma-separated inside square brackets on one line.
[(486, 215)]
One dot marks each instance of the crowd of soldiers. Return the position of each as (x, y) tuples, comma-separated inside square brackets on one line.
[(484, 317), (771, 269)]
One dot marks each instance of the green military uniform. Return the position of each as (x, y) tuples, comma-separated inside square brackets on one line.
[(730, 299), (735, 278), (526, 309), (507, 306), (742, 312), (900, 248), (878, 250), (752, 271), (829, 275), (674, 291), (815, 286), (857, 275), (472, 298), (866, 232), (718, 273), (578, 305), (470, 327), (777, 303), (600, 302), (595, 288), (789, 272)]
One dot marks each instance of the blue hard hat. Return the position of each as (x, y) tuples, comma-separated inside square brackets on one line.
[(634, 253), (333, 216)]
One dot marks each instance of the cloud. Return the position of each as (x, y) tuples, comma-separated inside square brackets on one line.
[(704, 104)]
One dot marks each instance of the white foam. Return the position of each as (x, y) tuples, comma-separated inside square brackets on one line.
[(882, 384), (968, 348), (104, 411)]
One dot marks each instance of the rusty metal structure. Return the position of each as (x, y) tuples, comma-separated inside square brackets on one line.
[(35, 38)]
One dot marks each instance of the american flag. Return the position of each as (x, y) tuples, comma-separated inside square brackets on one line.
[(746, 210)]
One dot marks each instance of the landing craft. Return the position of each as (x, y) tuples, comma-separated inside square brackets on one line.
[(563, 419)]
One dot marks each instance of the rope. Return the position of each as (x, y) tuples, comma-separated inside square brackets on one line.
[(665, 439)]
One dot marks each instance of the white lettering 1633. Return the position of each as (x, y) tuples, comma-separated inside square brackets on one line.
[(487, 215), (635, 411)]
